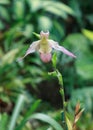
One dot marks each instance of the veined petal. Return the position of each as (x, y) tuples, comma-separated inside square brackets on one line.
[(56, 46), (33, 47)]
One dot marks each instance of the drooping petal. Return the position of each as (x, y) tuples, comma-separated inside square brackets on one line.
[(45, 57), (56, 46), (33, 47)]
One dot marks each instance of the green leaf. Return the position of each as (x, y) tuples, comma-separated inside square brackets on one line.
[(57, 74), (75, 5), (4, 2), (16, 111), (69, 123), (4, 13), (57, 8), (28, 30), (88, 33), (37, 35), (34, 5), (32, 108), (54, 60), (3, 121), (9, 57), (47, 23), (89, 17), (85, 69), (19, 8), (46, 119), (52, 73), (63, 7), (56, 11), (2, 26), (28, 114), (84, 96)]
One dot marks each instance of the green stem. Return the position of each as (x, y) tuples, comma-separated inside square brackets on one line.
[(64, 110), (60, 79)]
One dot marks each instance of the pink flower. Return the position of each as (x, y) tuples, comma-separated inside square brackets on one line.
[(44, 46)]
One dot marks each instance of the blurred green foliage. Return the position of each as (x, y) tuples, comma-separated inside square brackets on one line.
[(70, 22)]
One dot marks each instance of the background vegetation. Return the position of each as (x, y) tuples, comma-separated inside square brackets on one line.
[(26, 85)]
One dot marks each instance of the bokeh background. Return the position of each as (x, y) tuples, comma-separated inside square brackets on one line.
[(70, 22)]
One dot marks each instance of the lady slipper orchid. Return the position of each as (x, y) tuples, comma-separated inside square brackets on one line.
[(44, 46)]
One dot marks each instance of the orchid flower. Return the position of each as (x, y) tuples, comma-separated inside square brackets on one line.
[(44, 46)]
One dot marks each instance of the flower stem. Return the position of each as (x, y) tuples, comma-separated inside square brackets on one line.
[(64, 110), (60, 79)]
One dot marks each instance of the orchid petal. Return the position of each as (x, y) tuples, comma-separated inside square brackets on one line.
[(33, 47), (56, 46), (45, 57)]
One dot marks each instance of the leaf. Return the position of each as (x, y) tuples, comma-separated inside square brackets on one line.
[(68, 123), (85, 69), (57, 8), (77, 108), (47, 23), (89, 17), (37, 35), (52, 73), (57, 74), (54, 60), (56, 11), (9, 57), (78, 116), (63, 7), (44, 118), (75, 5), (4, 2), (28, 114), (16, 112), (88, 33), (28, 30), (34, 5), (3, 121), (4, 13), (58, 5), (19, 9), (47, 119), (32, 108), (84, 96), (2, 26)]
